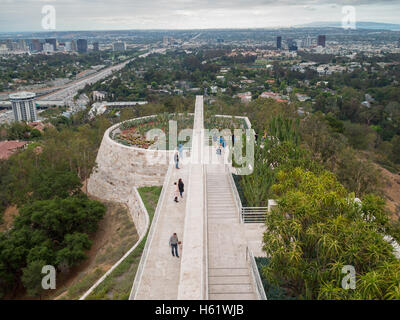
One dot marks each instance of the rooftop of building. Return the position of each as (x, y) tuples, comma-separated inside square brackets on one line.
[(7, 148), (22, 95)]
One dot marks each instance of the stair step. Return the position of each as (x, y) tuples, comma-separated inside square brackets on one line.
[(223, 272), (230, 288), (231, 296), (229, 280)]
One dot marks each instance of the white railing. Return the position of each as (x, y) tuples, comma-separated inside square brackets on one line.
[(236, 196), (254, 214), (247, 214), (143, 259), (255, 274)]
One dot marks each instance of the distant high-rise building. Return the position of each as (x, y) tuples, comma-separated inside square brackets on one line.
[(292, 44), (74, 46), (307, 42), (279, 42), (53, 42), (9, 44), (96, 46), (22, 45), (321, 41), (82, 45), (119, 46), (36, 45), (24, 107), (48, 47)]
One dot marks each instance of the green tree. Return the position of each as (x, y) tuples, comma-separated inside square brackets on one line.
[(74, 249), (32, 278)]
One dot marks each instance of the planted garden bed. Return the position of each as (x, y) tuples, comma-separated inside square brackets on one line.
[(133, 132)]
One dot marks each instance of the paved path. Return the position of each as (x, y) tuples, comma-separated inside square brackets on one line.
[(160, 278), (218, 236)]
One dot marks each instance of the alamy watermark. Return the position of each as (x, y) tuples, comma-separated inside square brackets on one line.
[(349, 280), (49, 280), (349, 18), (205, 147), (49, 17)]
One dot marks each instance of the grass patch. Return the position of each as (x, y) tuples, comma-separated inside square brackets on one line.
[(118, 284), (80, 287)]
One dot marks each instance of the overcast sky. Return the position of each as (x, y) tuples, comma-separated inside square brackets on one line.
[(26, 15)]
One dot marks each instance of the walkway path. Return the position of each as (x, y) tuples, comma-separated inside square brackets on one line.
[(213, 261), (160, 278)]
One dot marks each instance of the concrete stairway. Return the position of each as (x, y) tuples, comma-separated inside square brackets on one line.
[(228, 271)]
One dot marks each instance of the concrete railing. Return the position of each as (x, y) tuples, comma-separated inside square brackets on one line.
[(150, 236)]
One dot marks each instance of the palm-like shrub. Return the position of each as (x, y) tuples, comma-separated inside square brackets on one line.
[(317, 229)]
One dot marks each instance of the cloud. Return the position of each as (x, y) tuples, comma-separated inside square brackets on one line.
[(156, 14)]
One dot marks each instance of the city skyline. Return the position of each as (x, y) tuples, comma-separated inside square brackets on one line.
[(91, 15)]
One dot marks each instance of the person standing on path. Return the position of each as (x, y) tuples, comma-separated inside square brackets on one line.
[(176, 192), (176, 159), (173, 243), (181, 187)]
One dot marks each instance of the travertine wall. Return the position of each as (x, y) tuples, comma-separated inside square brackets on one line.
[(138, 212), (120, 168)]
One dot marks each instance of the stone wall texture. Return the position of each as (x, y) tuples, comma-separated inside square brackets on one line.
[(121, 169)]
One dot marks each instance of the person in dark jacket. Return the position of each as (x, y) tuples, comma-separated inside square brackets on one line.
[(176, 159), (181, 187)]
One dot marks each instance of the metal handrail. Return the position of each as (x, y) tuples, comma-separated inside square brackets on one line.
[(256, 275), (143, 259)]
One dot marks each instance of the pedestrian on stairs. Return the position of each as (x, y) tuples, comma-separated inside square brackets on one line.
[(173, 243)]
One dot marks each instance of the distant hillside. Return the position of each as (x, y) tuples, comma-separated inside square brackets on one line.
[(359, 25)]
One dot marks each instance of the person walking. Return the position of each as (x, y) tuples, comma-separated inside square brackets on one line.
[(173, 243), (181, 187), (176, 159), (176, 192)]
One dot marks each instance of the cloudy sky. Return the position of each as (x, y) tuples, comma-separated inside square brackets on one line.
[(26, 15)]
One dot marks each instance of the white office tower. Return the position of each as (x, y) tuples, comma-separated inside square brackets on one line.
[(24, 107), (48, 47), (307, 42)]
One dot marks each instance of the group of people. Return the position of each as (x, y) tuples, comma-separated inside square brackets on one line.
[(179, 189)]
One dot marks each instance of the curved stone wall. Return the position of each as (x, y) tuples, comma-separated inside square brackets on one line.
[(120, 168)]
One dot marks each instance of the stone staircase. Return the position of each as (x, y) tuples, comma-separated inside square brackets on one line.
[(228, 271)]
